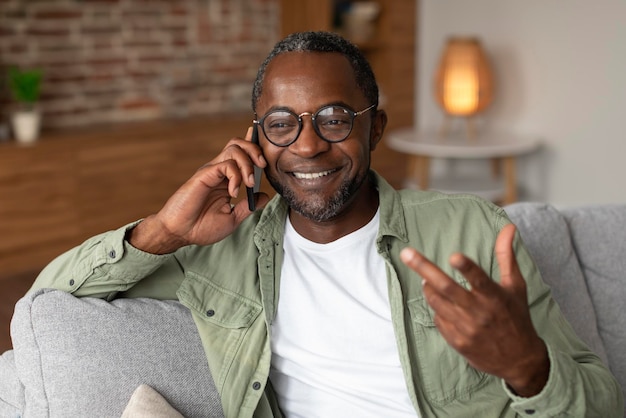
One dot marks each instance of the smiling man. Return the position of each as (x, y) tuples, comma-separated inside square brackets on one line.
[(342, 297)]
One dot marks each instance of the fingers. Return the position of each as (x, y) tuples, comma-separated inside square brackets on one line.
[(246, 154), (479, 281), (510, 275), (434, 277)]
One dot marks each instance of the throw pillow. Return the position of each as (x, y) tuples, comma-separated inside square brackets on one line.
[(148, 403)]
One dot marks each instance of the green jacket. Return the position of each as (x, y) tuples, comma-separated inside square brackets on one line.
[(232, 287)]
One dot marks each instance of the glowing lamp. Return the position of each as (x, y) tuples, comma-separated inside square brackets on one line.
[(463, 82)]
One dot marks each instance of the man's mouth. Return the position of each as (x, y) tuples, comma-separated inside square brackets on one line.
[(311, 176)]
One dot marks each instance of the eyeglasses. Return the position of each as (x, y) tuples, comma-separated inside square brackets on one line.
[(332, 123)]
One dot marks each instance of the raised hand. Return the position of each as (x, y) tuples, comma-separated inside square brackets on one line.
[(489, 324), (200, 211)]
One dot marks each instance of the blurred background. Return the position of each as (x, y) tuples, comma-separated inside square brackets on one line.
[(107, 106), (119, 101), (560, 74)]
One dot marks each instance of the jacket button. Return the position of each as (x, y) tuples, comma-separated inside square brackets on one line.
[(529, 411), (72, 282), (210, 312), (256, 386), (112, 253)]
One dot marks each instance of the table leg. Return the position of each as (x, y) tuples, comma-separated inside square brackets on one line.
[(496, 167), (510, 180), (418, 169)]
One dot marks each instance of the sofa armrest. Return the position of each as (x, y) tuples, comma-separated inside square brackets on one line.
[(11, 389), (86, 357)]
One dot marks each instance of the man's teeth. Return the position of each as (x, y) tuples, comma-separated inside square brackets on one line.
[(311, 175)]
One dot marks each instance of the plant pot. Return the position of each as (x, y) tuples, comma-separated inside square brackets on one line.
[(26, 125)]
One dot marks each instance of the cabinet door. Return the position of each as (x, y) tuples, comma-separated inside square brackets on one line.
[(37, 215), (121, 180)]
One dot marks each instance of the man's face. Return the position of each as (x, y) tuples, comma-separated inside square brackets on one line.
[(317, 178)]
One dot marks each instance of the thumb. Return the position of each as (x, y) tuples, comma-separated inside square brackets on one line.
[(510, 276)]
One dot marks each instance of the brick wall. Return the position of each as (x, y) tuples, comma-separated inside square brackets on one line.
[(118, 60)]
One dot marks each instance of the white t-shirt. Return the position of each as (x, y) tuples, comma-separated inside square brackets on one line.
[(333, 344)]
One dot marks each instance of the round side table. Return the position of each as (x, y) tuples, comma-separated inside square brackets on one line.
[(501, 148)]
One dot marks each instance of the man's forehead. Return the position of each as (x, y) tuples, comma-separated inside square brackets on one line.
[(306, 81), (309, 73), (303, 62)]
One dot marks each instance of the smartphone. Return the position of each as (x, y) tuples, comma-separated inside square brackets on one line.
[(250, 191)]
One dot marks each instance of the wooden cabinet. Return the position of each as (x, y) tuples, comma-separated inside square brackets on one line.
[(36, 212), (76, 183)]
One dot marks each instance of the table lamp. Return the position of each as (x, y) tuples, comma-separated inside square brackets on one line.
[(463, 82)]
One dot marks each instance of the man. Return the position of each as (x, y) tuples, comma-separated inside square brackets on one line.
[(320, 303)]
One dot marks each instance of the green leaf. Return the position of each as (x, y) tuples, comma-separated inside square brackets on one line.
[(25, 85)]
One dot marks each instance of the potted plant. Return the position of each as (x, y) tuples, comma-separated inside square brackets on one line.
[(25, 87)]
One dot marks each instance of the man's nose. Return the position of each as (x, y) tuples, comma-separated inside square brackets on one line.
[(309, 143)]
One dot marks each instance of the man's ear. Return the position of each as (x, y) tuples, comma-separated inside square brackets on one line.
[(378, 128)]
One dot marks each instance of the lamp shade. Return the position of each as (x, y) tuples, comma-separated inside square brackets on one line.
[(463, 81)]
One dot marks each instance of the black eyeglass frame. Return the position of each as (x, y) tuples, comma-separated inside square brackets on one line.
[(352, 113)]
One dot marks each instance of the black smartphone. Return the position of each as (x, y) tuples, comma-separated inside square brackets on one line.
[(250, 191)]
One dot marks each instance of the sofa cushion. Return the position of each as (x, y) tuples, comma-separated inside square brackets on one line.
[(546, 235), (85, 357), (599, 237)]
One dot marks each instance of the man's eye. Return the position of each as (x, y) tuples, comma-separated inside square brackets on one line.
[(280, 125), (334, 122)]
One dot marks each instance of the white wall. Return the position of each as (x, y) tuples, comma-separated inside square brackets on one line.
[(561, 73)]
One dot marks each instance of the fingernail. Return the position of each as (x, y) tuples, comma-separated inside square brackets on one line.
[(251, 179), (457, 261), (262, 159), (406, 254)]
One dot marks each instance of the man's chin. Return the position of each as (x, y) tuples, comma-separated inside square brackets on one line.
[(311, 205), (316, 215)]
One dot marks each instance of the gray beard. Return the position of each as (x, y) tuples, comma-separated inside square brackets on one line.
[(314, 207)]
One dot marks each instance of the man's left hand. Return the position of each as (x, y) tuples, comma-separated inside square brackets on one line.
[(489, 324)]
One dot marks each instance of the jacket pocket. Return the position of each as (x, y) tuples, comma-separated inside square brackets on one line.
[(225, 321), (217, 305), (447, 376)]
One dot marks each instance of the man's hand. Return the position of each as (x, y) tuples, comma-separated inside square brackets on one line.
[(200, 211), (490, 324)]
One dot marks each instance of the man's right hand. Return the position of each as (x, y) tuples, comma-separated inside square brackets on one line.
[(200, 211)]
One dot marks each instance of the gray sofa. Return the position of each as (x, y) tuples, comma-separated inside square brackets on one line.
[(86, 357)]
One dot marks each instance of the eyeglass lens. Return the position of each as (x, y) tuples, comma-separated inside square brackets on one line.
[(332, 123)]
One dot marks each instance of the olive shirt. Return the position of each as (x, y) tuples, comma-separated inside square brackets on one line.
[(233, 300)]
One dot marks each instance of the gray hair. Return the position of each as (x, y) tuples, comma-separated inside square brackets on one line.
[(322, 42)]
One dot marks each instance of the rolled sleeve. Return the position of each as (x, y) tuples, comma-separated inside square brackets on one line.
[(566, 394), (102, 266), (554, 397)]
